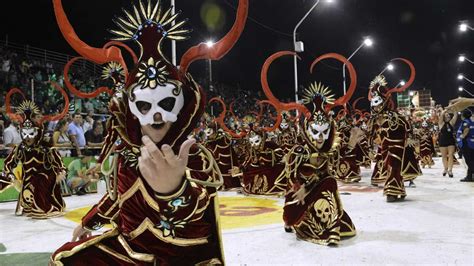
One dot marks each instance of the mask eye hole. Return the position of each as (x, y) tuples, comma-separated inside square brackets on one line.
[(167, 103), (143, 107)]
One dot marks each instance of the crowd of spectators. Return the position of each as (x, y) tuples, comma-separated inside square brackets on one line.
[(83, 128)]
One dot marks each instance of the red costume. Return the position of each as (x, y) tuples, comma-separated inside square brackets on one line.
[(42, 167), (149, 228), (321, 219), (392, 130)]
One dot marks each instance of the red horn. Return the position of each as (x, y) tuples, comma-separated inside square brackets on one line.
[(410, 80), (8, 108), (352, 73), (77, 92), (65, 109), (222, 47), (97, 55), (268, 92), (221, 117), (278, 117)]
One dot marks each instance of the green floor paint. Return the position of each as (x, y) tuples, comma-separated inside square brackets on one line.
[(18, 259)]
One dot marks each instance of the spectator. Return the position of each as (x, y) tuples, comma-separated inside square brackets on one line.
[(89, 106), (446, 140), (11, 136), (61, 139), (95, 137), (89, 121), (76, 135), (80, 174), (465, 138)]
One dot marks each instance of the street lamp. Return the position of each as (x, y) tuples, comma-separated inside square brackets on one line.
[(463, 27), (367, 42), (299, 46), (402, 82), (389, 67), (461, 89), (461, 76), (462, 58), (412, 93)]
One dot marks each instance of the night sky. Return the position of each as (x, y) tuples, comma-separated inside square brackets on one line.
[(423, 31)]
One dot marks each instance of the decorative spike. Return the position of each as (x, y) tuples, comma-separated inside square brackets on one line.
[(131, 19), (165, 16), (142, 9), (123, 27), (170, 19), (156, 10), (120, 33), (125, 22), (138, 17), (148, 10)]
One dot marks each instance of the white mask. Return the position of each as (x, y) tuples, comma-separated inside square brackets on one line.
[(317, 130), (376, 100), (208, 132), (31, 133), (167, 100), (284, 125), (255, 140)]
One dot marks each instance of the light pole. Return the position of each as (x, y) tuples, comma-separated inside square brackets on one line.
[(461, 77), (463, 27), (299, 46), (209, 45), (173, 42), (389, 67), (462, 58), (367, 42), (461, 89)]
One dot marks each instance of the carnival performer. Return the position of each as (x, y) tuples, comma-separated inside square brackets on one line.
[(162, 187), (425, 136), (220, 143), (346, 167), (447, 140), (41, 166), (391, 129), (312, 204)]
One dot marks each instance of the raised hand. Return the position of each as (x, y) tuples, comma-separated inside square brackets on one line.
[(162, 169)]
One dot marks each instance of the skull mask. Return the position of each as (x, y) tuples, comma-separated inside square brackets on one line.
[(424, 124), (323, 210), (255, 140), (168, 100), (209, 132), (376, 99), (284, 125)]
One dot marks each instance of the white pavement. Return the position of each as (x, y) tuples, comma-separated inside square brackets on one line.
[(433, 226)]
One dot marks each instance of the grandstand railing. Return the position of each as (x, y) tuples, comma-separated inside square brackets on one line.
[(47, 55)]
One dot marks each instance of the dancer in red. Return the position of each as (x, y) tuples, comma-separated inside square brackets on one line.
[(41, 166), (391, 129), (312, 206), (162, 187)]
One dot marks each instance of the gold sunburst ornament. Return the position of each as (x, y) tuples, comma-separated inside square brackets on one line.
[(112, 69), (316, 89), (151, 74), (378, 80), (28, 105), (134, 22)]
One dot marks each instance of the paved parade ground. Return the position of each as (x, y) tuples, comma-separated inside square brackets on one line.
[(433, 226)]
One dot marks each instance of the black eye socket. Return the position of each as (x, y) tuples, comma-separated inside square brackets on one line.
[(167, 103), (143, 107)]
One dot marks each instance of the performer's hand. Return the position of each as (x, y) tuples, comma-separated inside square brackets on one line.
[(300, 195), (80, 233), (162, 169), (61, 176)]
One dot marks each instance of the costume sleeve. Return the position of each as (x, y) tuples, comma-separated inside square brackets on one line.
[(10, 163), (54, 159), (109, 141), (101, 213)]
